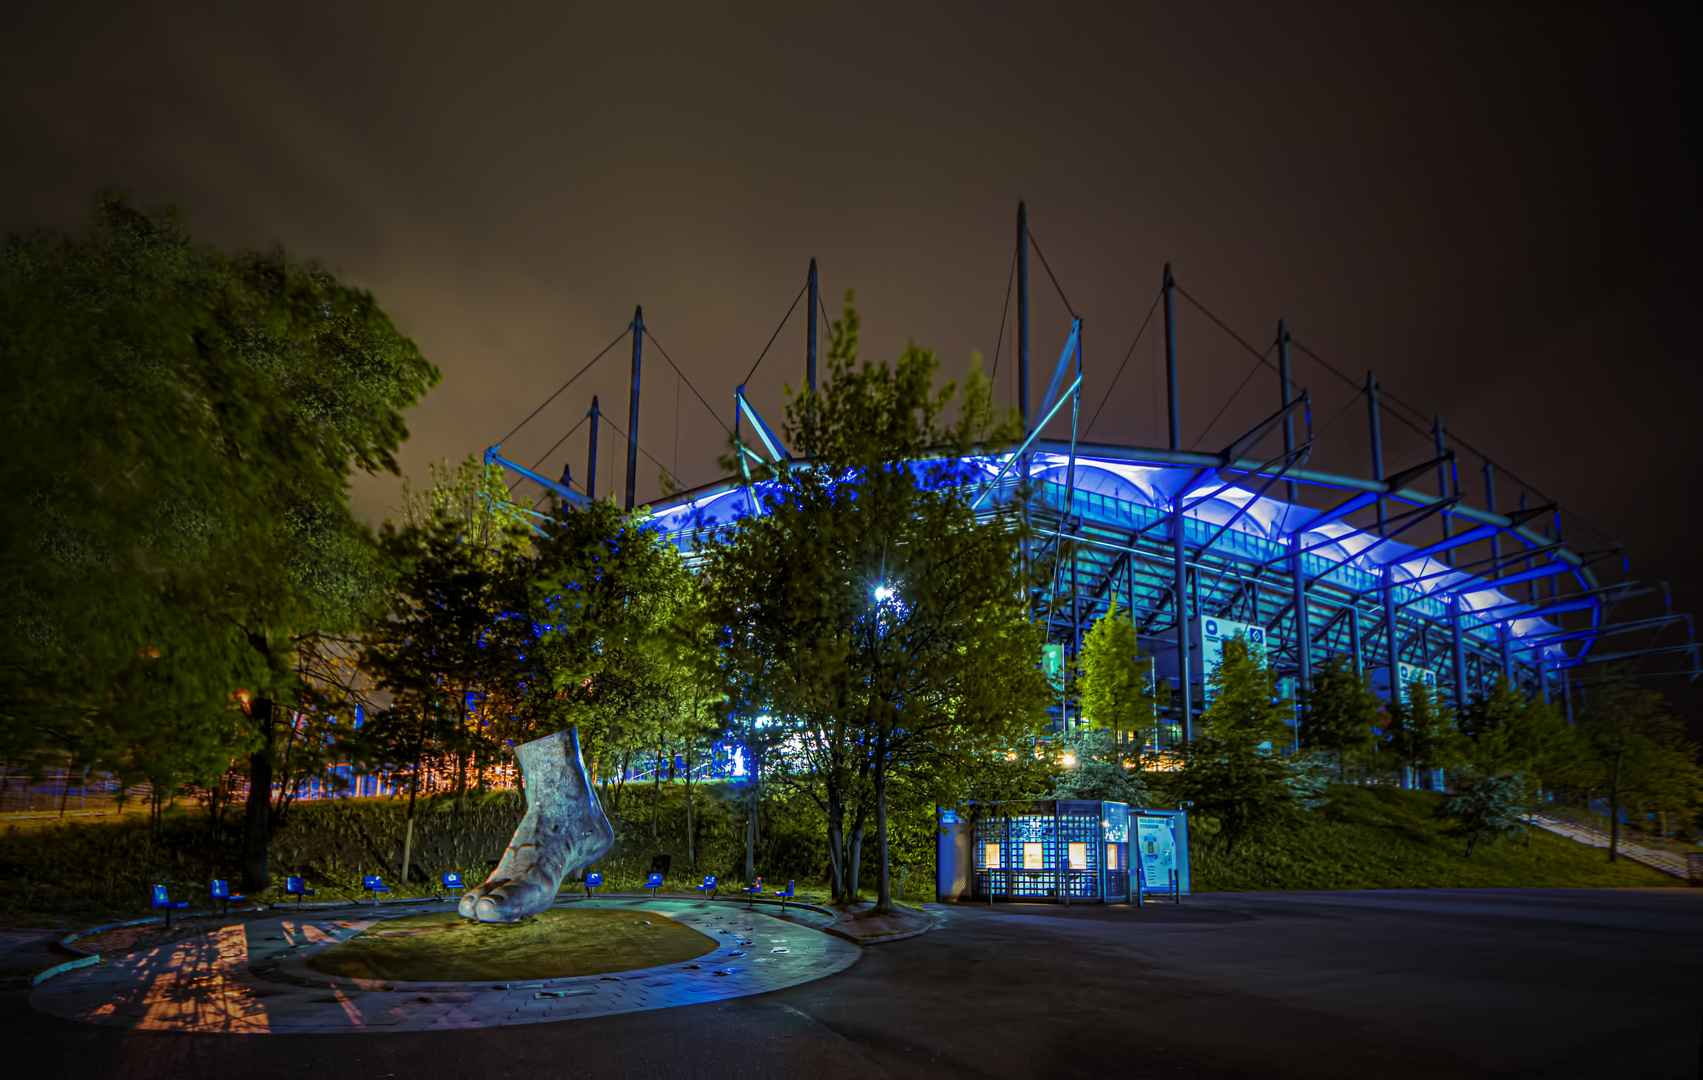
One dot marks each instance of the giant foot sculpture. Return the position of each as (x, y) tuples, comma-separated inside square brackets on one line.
[(564, 829)]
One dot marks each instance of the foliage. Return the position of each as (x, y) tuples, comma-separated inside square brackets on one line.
[(1247, 709), (618, 657), (1482, 806), (1310, 779), (1117, 690), (1232, 772), (1098, 770), (1341, 714), (871, 615), (101, 870), (1506, 734), (184, 423), (1421, 730), (1631, 752)]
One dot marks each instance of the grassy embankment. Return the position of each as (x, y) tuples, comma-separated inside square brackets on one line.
[(77, 874), (1384, 838)]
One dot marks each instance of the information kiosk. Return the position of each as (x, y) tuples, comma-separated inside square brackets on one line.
[(1061, 850)]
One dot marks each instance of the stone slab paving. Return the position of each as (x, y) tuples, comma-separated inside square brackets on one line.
[(252, 977)]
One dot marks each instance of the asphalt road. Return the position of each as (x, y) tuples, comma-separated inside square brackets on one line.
[(1447, 983)]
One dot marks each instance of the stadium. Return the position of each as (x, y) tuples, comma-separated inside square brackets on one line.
[(1396, 569)]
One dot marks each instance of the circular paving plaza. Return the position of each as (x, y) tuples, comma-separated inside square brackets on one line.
[(419, 967)]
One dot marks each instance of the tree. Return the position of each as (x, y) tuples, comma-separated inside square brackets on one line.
[(184, 423), (1117, 689), (1342, 713), (869, 606), (1421, 730), (607, 588), (1482, 806), (1630, 746), (1671, 784), (1092, 767), (1232, 771), (451, 637), (698, 681), (1503, 733)]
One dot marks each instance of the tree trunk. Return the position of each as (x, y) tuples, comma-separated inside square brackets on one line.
[(1614, 809), (751, 814), (836, 847), (461, 781), (691, 838), (257, 824), (751, 837), (854, 879), (413, 796), (624, 762), (656, 797), (883, 868)]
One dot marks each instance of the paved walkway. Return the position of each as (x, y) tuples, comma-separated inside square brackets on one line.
[(1467, 984), (252, 977), (1672, 862)]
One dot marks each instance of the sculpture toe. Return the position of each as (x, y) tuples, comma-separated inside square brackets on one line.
[(488, 909)]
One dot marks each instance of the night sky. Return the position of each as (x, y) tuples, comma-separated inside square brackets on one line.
[(1495, 209)]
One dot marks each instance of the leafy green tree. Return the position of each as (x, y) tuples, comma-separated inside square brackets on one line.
[(1630, 747), (698, 684), (1421, 730), (869, 605), (1092, 767), (1246, 705), (1506, 734), (1232, 771), (184, 423), (1342, 713), (450, 638), (1482, 806), (1117, 689), (471, 502), (608, 589), (1672, 785)]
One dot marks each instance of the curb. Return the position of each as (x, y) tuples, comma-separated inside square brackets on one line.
[(65, 942), (85, 957), (933, 921), (59, 969), (882, 939)]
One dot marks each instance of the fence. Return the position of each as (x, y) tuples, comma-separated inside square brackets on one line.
[(82, 792), (65, 791)]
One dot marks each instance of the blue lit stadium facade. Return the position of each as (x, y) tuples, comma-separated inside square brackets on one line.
[(1395, 569), (1112, 528)]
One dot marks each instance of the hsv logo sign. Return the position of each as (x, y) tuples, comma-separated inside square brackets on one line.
[(1214, 633), (1408, 674)]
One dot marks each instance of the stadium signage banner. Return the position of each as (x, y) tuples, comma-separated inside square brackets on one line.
[(1052, 664), (1408, 674), (1211, 634)]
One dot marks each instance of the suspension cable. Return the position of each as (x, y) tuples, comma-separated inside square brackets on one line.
[(565, 385)]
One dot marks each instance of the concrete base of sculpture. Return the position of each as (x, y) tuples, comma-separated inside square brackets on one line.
[(564, 829)]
